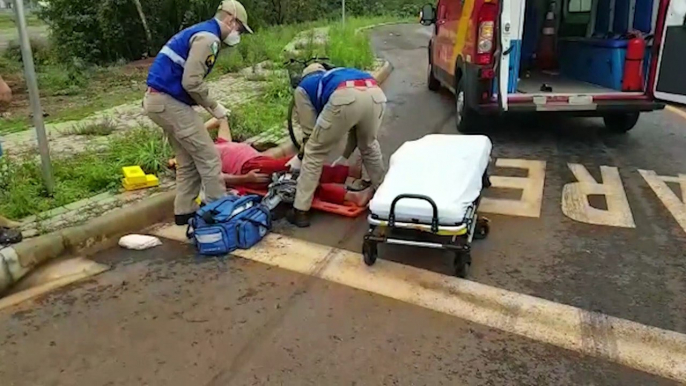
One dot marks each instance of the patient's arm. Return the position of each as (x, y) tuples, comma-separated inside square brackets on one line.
[(212, 124), (223, 125), (252, 177)]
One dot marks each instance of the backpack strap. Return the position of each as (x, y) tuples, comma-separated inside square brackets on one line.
[(190, 229)]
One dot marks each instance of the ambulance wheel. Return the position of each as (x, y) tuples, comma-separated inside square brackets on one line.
[(482, 229), (466, 119), (369, 252), (462, 263), (433, 83), (621, 122)]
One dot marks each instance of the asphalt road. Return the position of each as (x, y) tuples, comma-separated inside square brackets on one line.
[(165, 317), (633, 273)]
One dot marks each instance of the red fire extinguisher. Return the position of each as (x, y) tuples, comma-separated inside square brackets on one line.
[(633, 64)]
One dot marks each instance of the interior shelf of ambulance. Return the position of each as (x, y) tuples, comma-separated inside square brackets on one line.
[(580, 46)]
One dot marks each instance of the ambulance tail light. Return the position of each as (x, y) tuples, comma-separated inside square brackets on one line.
[(486, 33)]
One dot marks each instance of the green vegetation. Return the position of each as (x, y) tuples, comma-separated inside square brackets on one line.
[(96, 128), (7, 20), (75, 90), (269, 112), (79, 176)]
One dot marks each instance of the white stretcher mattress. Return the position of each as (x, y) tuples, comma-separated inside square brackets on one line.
[(446, 168)]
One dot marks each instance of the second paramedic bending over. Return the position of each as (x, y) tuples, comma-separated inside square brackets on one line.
[(330, 104), (176, 83)]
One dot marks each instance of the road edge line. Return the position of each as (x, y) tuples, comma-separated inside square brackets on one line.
[(646, 348), (676, 111)]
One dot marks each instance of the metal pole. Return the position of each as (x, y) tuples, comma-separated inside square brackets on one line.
[(343, 11), (34, 96)]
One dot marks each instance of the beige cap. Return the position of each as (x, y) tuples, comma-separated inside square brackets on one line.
[(314, 67), (236, 9)]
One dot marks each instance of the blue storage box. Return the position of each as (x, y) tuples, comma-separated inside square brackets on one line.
[(597, 61)]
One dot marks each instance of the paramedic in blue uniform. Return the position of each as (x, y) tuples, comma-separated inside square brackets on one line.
[(331, 104), (176, 83)]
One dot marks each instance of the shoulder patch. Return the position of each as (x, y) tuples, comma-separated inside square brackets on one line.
[(215, 48), (210, 61)]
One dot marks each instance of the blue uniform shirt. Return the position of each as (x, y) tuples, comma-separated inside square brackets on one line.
[(166, 72), (320, 85)]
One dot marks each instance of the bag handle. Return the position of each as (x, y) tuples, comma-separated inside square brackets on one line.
[(208, 214), (190, 229)]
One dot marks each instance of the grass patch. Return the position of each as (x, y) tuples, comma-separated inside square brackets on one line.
[(80, 176), (266, 44), (7, 20), (344, 47), (263, 114), (96, 128)]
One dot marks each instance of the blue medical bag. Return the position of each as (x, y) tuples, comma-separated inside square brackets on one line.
[(232, 222)]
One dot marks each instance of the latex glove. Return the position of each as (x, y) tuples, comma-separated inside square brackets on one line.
[(219, 112), (340, 161), (294, 163)]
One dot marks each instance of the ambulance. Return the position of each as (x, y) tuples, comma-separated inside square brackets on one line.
[(594, 58)]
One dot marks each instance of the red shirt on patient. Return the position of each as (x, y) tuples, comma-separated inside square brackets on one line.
[(234, 156), (240, 158)]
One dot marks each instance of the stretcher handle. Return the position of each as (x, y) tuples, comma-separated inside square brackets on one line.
[(434, 218)]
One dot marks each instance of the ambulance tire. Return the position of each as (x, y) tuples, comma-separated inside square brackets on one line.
[(433, 83), (621, 122), (466, 119)]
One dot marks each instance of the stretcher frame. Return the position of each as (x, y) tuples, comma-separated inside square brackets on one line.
[(350, 210), (456, 239)]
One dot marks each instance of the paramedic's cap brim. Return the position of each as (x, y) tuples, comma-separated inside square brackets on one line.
[(237, 10)]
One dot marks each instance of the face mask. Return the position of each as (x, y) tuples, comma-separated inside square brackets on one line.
[(233, 39)]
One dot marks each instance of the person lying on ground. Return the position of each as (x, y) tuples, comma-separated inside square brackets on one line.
[(244, 166)]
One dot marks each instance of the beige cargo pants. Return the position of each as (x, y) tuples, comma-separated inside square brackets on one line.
[(197, 159), (348, 108)]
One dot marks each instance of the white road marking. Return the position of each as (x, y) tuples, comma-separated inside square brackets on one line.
[(576, 206), (628, 343), (675, 205), (532, 189)]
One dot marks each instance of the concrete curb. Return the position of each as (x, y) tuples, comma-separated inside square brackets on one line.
[(16, 261)]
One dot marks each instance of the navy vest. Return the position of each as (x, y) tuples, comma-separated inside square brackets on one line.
[(166, 71), (320, 85)]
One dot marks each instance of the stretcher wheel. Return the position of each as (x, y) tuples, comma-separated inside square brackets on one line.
[(462, 263), (482, 228), (369, 252)]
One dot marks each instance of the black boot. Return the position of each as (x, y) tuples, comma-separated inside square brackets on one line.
[(299, 218), (10, 236), (183, 219)]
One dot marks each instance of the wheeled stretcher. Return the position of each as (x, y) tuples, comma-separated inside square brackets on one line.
[(430, 196)]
